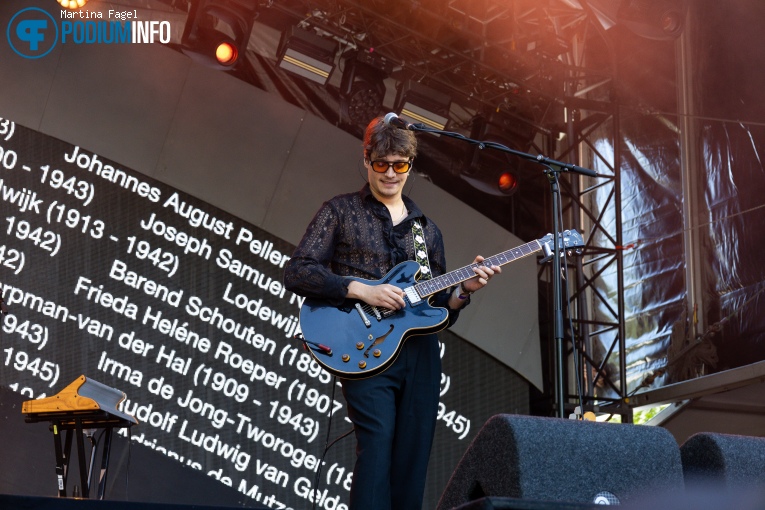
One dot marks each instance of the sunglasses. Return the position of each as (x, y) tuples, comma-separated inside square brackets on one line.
[(400, 167)]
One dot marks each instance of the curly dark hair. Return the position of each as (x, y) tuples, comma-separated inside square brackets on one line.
[(380, 140)]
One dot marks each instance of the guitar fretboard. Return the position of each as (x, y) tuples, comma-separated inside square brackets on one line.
[(439, 283)]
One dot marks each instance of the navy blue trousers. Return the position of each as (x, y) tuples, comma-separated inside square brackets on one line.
[(394, 416)]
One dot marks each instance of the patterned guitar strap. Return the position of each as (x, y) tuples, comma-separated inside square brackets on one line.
[(421, 251)]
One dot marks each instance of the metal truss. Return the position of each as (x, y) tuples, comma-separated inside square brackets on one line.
[(486, 54), (597, 344)]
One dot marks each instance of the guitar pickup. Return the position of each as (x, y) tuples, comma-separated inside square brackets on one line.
[(412, 295)]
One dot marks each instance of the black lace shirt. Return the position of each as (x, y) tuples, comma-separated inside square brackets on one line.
[(353, 235)]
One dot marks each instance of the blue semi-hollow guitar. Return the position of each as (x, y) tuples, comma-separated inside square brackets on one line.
[(358, 340)]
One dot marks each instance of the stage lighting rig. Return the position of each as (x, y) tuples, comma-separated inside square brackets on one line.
[(652, 19), (493, 171), (217, 32), (362, 87), (420, 104), (307, 54)]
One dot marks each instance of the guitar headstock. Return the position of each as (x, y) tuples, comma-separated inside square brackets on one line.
[(568, 240)]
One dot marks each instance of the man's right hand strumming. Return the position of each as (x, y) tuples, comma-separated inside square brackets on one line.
[(383, 295)]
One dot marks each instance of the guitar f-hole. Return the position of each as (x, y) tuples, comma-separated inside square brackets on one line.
[(378, 340)]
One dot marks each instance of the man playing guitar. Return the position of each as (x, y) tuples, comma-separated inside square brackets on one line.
[(349, 246)]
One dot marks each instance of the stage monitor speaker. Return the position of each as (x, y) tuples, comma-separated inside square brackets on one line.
[(725, 459), (553, 459)]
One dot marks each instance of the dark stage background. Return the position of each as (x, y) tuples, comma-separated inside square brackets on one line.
[(110, 274), (148, 203)]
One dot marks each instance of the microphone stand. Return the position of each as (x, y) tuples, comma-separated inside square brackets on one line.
[(3, 308), (552, 170)]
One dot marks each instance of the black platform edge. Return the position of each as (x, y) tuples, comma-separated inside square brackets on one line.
[(16, 502)]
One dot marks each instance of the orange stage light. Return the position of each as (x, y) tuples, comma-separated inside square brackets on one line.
[(72, 4), (226, 53), (507, 182)]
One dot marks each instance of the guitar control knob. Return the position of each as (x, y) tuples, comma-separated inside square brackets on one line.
[(346, 358), (362, 364), (359, 345), (376, 353)]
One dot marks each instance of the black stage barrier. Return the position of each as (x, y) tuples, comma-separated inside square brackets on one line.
[(551, 459)]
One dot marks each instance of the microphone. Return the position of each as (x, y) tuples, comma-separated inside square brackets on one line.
[(391, 119)]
